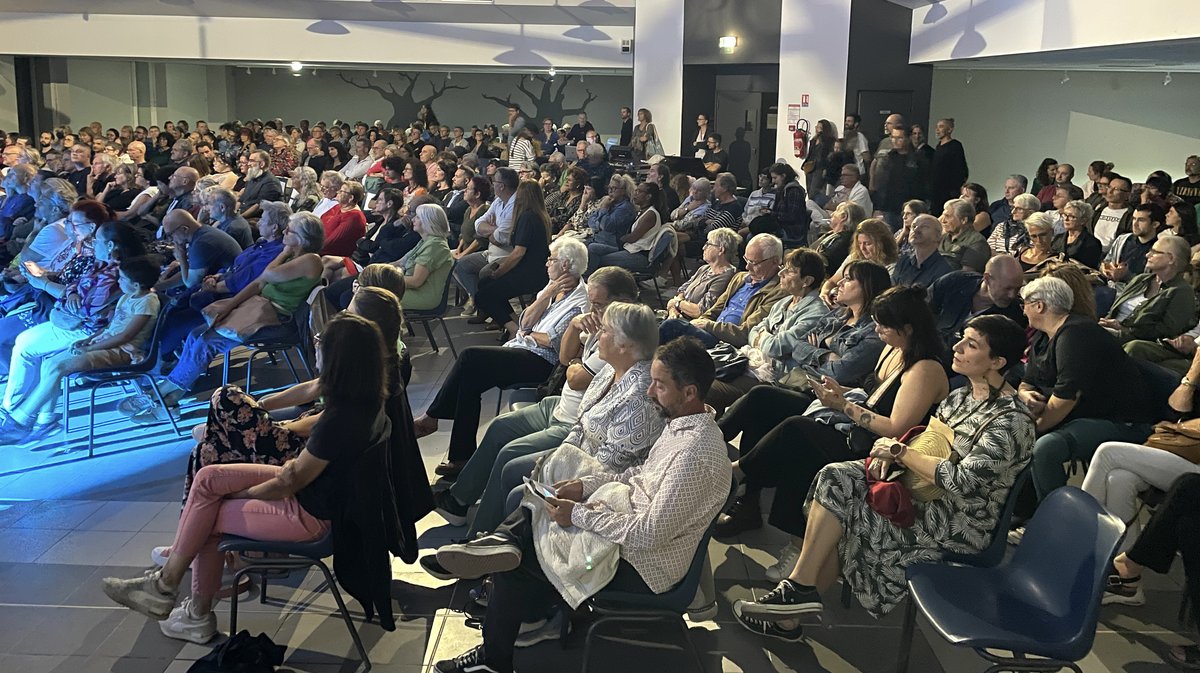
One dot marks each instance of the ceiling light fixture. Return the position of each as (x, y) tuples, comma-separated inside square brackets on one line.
[(272, 71), (552, 72), (297, 66), (970, 76), (247, 71), (374, 73), (727, 43), (449, 76)]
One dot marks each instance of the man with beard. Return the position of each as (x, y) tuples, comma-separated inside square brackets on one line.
[(261, 185)]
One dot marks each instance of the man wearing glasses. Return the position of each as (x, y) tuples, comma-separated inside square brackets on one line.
[(746, 301), (1115, 218)]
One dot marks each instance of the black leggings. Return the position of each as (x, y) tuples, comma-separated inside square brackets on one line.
[(788, 458), (1175, 527), (760, 410)]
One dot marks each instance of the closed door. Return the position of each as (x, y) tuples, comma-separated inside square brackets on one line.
[(875, 106)]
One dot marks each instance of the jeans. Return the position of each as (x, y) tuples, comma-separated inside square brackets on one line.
[(674, 328), (505, 486), (1076, 440), (210, 513), (477, 370), (201, 346), (466, 272), (1152, 351), (1120, 471), (184, 318), (518, 433), (600, 254), (31, 347)]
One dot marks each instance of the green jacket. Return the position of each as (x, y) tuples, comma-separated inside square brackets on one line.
[(1168, 314)]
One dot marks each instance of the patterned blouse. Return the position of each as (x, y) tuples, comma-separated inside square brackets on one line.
[(553, 323), (706, 286), (97, 290), (619, 423)]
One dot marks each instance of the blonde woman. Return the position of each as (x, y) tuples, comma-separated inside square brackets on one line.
[(873, 241)]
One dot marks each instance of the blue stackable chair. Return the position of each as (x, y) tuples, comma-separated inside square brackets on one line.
[(1044, 601), (281, 339)]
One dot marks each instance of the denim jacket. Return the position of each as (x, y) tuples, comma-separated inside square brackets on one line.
[(857, 347), (784, 329), (610, 224)]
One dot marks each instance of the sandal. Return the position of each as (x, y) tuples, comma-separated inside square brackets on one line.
[(1186, 657)]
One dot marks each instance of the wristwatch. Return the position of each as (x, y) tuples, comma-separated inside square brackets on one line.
[(1185, 381), (897, 450)]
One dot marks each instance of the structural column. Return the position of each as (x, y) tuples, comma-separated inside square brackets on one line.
[(814, 44), (658, 67)]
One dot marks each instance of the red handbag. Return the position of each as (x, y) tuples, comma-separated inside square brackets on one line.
[(888, 496)]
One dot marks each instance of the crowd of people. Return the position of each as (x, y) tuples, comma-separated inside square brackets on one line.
[(873, 308)]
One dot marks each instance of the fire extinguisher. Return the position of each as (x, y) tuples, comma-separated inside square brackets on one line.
[(800, 139)]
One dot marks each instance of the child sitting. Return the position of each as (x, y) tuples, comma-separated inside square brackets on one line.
[(120, 344)]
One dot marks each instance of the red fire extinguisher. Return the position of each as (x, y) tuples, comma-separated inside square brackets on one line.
[(800, 139)]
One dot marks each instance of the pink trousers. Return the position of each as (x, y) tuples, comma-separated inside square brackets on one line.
[(209, 513)]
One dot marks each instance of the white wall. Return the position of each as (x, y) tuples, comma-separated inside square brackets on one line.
[(8, 95), (952, 29), (283, 40), (658, 67), (1130, 119), (814, 44), (327, 97)]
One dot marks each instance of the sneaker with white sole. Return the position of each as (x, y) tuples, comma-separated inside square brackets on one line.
[(181, 625), (786, 563), (473, 660), (159, 556), (767, 628), (542, 630), (492, 553), (142, 594), (787, 599), (702, 614)]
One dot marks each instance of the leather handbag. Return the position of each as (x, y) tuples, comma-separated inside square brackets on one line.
[(1181, 439), (246, 318), (730, 364)]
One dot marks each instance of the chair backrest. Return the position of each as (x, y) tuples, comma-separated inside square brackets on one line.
[(1160, 383), (993, 554), (445, 302), (1063, 561), (164, 309), (665, 245)]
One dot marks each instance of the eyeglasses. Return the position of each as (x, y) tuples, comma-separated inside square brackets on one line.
[(789, 271), (1152, 251), (751, 262)]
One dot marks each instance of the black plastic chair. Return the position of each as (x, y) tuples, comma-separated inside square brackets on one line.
[(278, 339), (437, 314), (297, 556), (1044, 602), (98, 378), (622, 606)]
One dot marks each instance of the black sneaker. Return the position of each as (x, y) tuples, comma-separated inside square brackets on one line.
[(430, 565), (788, 599), (493, 553), (769, 629), (454, 512), (479, 595), (472, 661), (745, 515)]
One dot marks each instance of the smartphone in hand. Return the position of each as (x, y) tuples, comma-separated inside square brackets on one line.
[(538, 489)]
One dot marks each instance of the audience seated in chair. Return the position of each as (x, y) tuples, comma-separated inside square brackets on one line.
[(708, 283), (746, 301), (873, 241), (989, 432), (497, 225), (634, 248), (673, 497), (523, 270), (1157, 304), (961, 295)]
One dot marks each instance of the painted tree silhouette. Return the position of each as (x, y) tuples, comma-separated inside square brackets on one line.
[(546, 103), (404, 103)]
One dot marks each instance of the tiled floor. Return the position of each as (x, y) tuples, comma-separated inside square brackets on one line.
[(63, 528)]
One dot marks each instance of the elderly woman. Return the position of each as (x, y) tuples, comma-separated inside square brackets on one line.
[(773, 342), (18, 202), (873, 242), (48, 237), (286, 283), (1159, 303), (610, 417), (991, 438), (1009, 236), (344, 223), (835, 244), (1080, 244), (1080, 385), (427, 266), (708, 283), (306, 191), (529, 357), (1039, 229), (615, 214)]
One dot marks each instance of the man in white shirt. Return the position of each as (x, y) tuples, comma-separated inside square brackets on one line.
[(358, 165), (674, 496), (1115, 218), (850, 188), (854, 142), (497, 224)]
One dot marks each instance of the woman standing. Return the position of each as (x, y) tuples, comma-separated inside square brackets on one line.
[(645, 136), (817, 159), (703, 131)]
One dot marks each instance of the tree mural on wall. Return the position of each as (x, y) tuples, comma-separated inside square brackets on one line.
[(546, 103), (404, 103)]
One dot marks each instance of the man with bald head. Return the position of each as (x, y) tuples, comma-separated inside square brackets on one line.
[(921, 263), (136, 151), (199, 250), (178, 195), (961, 295)]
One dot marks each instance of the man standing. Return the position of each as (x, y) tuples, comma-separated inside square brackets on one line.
[(626, 127), (199, 250), (885, 146), (962, 246), (901, 175), (1001, 209), (920, 141), (921, 263), (674, 496), (261, 185), (856, 143), (516, 121), (949, 170), (1115, 217), (1187, 188)]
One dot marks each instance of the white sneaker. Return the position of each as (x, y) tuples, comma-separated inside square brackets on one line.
[(181, 625), (141, 594), (702, 614), (786, 563), (159, 556)]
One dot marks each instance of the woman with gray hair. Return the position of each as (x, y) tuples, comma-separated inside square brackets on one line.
[(1009, 236), (306, 192), (1157, 304), (61, 248), (701, 291), (1080, 244), (427, 266), (1039, 228), (527, 358)]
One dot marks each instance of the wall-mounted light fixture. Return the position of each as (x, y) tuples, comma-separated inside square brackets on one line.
[(297, 66), (727, 43), (1167, 79), (552, 72), (1065, 78)]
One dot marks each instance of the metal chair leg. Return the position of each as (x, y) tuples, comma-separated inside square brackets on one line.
[(337, 596), (448, 339), (429, 334), (225, 367), (158, 394), (66, 395), (906, 636), (288, 359), (250, 369), (92, 422)]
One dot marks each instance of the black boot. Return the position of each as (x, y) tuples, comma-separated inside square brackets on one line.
[(744, 515)]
